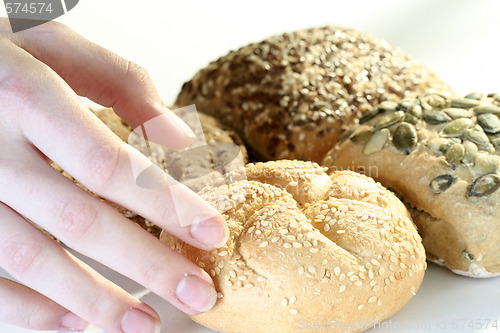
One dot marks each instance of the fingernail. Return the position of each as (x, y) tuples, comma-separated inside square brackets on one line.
[(211, 232), (73, 322), (180, 124), (137, 321), (196, 294)]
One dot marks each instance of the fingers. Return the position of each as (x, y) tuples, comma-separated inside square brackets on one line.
[(30, 309), (106, 78), (95, 229), (98, 159), (43, 265)]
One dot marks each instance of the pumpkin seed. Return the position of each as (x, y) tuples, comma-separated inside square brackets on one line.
[(432, 100), (377, 141), (470, 151), (484, 185), (486, 163), (455, 154), (464, 103), (493, 95), (390, 119), (487, 109), (362, 137), (477, 135), (415, 110), (388, 106), (405, 138), (456, 113), (467, 255), (489, 122), (496, 143), (436, 117), (405, 104), (474, 95), (456, 127), (442, 183), (411, 119), (441, 145)]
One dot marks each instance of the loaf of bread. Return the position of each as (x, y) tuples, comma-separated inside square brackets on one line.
[(291, 96), (441, 155), (307, 246)]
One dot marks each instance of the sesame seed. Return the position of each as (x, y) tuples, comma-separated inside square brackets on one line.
[(219, 295), (372, 299), (287, 245), (375, 262), (201, 264), (311, 269), (361, 306), (261, 279), (358, 283), (324, 262), (228, 283), (294, 311), (293, 299), (284, 302), (314, 250), (379, 302), (327, 227), (341, 277), (301, 270), (232, 274), (342, 288), (263, 244), (336, 270), (370, 274), (274, 239), (297, 245), (340, 231)]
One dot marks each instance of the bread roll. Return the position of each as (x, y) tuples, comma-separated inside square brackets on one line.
[(291, 96), (441, 155), (305, 246)]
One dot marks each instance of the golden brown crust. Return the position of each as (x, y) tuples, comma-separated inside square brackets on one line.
[(459, 225), (291, 96), (307, 245)]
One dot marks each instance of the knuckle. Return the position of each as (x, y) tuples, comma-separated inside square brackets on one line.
[(76, 217), (20, 253), (155, 272), (136, 73), (102, 166), (103, 306)]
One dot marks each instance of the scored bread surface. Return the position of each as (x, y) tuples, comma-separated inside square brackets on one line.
[(307, 245)]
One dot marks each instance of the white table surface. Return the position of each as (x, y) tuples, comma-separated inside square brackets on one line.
[(459, 39)]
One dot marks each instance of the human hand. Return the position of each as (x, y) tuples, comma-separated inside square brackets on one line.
[(42, 120)]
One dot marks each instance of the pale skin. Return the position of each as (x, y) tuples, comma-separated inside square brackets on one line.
[(42, 70)]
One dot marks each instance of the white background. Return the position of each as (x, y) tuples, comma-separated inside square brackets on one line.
[(459, 39)]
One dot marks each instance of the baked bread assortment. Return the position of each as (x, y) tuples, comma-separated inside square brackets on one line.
[(292, 95), (441, 155), (307, 245)]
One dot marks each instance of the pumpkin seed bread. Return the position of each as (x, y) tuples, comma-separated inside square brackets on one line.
[(442, 155), (307, 245), (292, 95)]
